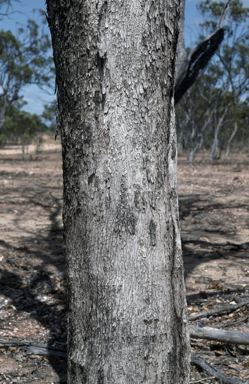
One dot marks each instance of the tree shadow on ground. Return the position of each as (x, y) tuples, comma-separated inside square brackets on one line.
[(26, 276), (205, 217), (38, 257)]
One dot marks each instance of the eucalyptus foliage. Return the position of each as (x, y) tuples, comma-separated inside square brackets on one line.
[(24, 60)]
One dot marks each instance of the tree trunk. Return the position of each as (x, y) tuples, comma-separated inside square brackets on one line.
[(230, 140), (115, 76), (198, 143), (3, 111), (214, 148)]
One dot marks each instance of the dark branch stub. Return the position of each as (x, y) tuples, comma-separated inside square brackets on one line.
[(197, 61), (189, 66)]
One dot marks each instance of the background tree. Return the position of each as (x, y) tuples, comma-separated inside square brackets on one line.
[(49, 115), (21, 127), (23, 60), (115, 64), (220, 91), (232, 55)]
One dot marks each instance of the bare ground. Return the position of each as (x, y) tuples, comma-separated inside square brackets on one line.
[(33, 301)]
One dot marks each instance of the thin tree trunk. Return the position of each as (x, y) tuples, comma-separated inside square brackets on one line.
[(214, 149), (193, 152), (115, 76), (230, 140), (4, 111)]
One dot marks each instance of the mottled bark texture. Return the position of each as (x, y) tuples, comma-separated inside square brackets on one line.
[(115, 64)]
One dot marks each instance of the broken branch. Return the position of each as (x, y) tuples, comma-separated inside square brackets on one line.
[(214, 311), (225, 336)]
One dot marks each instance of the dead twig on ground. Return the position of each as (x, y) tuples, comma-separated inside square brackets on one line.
[(214, 371), (209, 244), (234, 322), (36, 349), (214, 311), (204, 378)]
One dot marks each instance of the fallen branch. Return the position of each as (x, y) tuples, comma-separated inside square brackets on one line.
[(43, 350), (225, 336), (229, 324), (36, 349), (209, 244), (215, 311), (213, 371)]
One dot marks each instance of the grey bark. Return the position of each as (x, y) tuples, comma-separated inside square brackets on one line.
[(115, 65)]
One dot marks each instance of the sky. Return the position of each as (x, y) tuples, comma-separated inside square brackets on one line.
[(36, 98)]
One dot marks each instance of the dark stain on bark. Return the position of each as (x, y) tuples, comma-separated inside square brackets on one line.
[(137, 196), (77, 372), (87, 134), (140, 202), (101, 60), (173, 153), (103, 100), (125, 218), (100, 377), (152, 231), (91, 178), (159, 179), (125, 221), (153, 200)]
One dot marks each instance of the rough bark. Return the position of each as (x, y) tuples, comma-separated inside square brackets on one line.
[(115, 77)]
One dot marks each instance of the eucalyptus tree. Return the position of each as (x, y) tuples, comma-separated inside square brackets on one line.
[(232, 58), (115, 69), (197, 112), (49, 116), (22, 127), (24, 60), (6, 7), (211, 105)]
